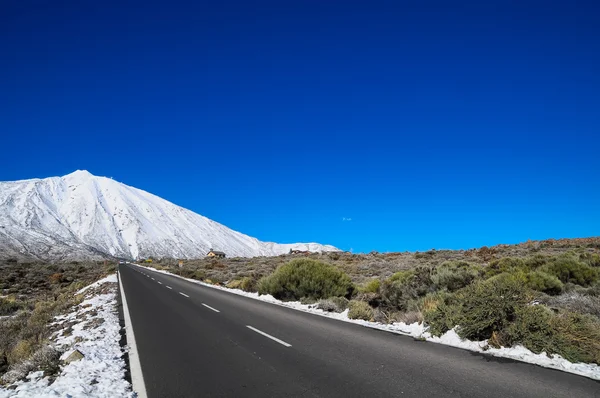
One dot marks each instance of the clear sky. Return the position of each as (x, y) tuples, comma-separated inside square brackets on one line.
[(368, 125)]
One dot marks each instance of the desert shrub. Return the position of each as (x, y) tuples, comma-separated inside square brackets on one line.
[(359, 310), (569, 269), (333, 304), (306, 278), (9, 306), (409, 317), (543, 282), (441, 313), (481, 309), (371, 286), (21, 351), (531, 328), (246, 284), (199, 275), (593, 290), (185, 272), (46, 359), (536, 262), (504, 265), (591, 259), (56, 278), (577, 337), (401, 276), (454, 275), (340, 302), (404, 287), (576, 302), (488, 306)]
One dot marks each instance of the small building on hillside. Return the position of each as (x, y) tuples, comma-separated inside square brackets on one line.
[(295, 251), (216, 254)]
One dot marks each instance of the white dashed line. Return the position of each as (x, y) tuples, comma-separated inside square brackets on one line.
[(153, 279), (169, 287), (183, 294), (211, 308), (269, 336), (160, 282)]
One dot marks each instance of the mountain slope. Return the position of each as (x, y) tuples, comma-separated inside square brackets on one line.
[(81, 215)]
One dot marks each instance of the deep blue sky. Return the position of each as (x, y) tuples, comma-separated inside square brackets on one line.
[(427, 124)]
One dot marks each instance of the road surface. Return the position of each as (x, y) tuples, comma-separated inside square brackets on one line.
[(195, 341)]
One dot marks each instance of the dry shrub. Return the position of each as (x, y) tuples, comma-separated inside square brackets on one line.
[(360, 310), (576, 302)]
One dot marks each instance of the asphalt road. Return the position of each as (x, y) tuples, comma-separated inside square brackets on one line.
[(254, 349)]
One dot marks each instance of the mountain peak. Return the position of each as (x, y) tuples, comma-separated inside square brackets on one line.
[(87, 214), (80, 173)]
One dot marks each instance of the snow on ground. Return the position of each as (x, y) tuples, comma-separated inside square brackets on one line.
[(419, 331), (93, 329)]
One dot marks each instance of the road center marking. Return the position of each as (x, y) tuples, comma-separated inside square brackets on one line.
[(211, 308), (183, 294), (269, 336), (153, 279), (160, 282), (169, 287)]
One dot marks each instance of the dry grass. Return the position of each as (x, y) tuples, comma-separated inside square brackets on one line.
[(34, 293)]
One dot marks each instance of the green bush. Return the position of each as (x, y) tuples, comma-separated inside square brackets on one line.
[(402, 276), (454, 275), (360, 310), (340, 302), (505, 265), (442, 314), (404, 288), (543, 282), (480, 309), (591, 259), (569, 269), (488, 306), (531, 328), (306, 278), (371, 286), (536, 262), (199, 275), (577, 337)]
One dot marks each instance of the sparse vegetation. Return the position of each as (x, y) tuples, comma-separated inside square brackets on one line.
[(34, 295), (544, 295)]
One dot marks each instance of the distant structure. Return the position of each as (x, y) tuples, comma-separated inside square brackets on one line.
[(294, 251), (216, 254)]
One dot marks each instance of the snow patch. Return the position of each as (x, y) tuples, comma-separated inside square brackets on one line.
[(96, 334)]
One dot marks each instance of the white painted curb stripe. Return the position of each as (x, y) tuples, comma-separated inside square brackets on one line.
[(269, 336), (137, 378), (210, 308), (183, 294)]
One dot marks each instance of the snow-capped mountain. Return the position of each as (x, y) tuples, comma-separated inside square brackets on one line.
[(84, 216)]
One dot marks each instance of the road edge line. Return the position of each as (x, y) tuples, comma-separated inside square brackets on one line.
[(135, 367)]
